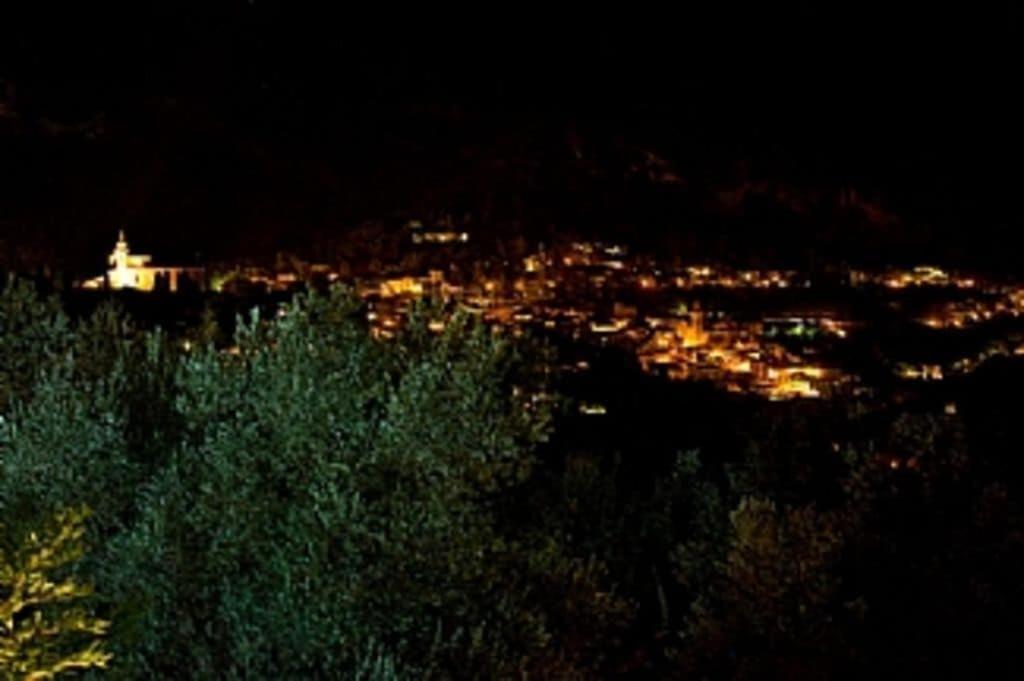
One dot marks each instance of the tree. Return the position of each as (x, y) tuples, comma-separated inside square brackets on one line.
[(309, 501), (33, 333), (43, 630)]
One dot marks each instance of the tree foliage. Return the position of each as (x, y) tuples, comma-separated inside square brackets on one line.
[(33, 333), (308, 499), (44, 629)]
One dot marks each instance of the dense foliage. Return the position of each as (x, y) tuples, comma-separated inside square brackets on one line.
[(299, 500), (305, 503), (43, 629)]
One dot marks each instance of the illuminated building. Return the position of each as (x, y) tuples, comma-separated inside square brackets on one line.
[(135, 271), (692, 333), (608, 326), (923, 372), (922, 275), (439, 235), (593, 409), (401, 286)]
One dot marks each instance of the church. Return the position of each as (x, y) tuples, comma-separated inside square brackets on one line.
[(136, 271)]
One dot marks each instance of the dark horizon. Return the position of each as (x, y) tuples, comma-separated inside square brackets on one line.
[(248, 128)]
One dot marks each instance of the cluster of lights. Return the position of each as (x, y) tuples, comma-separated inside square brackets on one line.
[(965, 314), (553, 290), (736, 356), (920, 276)]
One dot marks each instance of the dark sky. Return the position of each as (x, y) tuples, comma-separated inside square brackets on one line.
[(265, 119), (807, 66)]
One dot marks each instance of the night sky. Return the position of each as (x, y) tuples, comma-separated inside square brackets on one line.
[(241, 128)]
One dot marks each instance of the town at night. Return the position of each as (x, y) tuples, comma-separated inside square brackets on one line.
[(548, 347)]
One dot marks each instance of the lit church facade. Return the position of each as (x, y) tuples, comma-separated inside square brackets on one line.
[(136, 271)]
